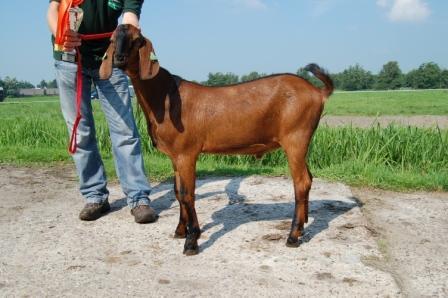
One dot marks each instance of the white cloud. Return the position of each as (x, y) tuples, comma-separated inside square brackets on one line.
[(409, 10), (406, 10), (252, 4)]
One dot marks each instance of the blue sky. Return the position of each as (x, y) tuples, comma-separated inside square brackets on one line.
[(195, 37)]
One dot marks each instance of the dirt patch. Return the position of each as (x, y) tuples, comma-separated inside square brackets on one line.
[(412, 233), (428, 121), (324, 275), (273, 237), (245, 222)]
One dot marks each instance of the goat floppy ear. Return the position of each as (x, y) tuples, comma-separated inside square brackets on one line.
[(106, 65), (149, 66)]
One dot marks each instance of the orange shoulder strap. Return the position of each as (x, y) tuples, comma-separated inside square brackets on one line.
[(63, 21)]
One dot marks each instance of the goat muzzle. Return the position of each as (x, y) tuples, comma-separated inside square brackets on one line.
[(120, 61)]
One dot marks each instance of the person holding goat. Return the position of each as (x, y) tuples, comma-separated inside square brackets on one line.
[(95, 19)]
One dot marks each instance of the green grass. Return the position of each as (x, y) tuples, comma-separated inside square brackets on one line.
[(425, 102), (420, 102), (31, 99), (393, 157)]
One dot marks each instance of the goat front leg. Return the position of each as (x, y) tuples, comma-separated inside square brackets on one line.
[(186, 166), (181, 230)]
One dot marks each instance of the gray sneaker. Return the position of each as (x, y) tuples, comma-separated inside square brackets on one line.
[(93, 211), (144, 214)]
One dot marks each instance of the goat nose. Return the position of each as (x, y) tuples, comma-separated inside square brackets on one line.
[(119, 57)]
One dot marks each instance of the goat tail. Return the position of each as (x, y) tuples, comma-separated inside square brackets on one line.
[(324, 77)]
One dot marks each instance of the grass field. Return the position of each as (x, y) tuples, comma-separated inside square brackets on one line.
[(427, 102), (392, 157), (370, 103)]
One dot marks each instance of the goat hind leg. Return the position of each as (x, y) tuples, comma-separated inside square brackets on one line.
[(308, 195), (302, 185)]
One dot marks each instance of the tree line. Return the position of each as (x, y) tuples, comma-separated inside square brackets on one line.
[(11, 86), (426, 76)]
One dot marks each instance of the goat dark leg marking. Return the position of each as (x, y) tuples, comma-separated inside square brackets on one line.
[(187, 173), (302, 179), (308, 195), (181, 230)]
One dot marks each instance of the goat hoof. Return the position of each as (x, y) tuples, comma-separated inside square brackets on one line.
[(191, 247), (191, 252), (291, 242)]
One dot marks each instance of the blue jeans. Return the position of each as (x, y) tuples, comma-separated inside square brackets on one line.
[(116, 103)]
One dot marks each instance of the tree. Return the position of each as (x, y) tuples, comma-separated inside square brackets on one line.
[(444, 78), (220, 79), (252, 76), (47, 84), (42, 84), (427, 76), (390, 77), (12, 86), (52, 84), (410, 78), (24, 85), (337, 80), (302, 72), (356, 78)]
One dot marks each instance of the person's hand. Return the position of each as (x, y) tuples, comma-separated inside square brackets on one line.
[(72, 40)]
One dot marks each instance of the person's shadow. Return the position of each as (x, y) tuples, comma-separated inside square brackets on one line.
[(164, 202), (238, 212)]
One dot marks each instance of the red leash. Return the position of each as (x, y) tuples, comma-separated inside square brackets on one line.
[(73, 145)]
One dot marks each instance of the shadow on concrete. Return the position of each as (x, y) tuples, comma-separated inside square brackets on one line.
[(238, 212), (322, 212)]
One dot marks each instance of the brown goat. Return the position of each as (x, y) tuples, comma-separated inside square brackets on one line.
[(186, 119)]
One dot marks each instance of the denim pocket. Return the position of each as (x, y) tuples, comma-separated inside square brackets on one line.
[(63, 65)]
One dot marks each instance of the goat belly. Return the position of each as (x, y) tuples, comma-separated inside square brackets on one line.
[(253, 149)]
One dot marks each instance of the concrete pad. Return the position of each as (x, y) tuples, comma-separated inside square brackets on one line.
[(47, 251)]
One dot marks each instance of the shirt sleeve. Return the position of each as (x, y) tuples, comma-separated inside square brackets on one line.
[(134, 6)]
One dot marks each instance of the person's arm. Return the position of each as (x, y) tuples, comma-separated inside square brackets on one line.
[(130, 18), (72, 38), (52, 17), (131, 12)]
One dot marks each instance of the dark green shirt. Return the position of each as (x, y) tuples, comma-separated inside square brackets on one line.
[(101, 16)]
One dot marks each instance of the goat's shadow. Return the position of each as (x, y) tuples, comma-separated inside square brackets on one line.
[(238, 212), (165, 202), (321, 213)]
